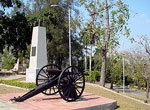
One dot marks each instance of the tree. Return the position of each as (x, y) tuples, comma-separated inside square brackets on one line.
[(16, 28), (145, 43), (55, 19), (8, 60), (76, 51), (107, 34), (15, 32), (114, 68), (134, 62), (10, 3)]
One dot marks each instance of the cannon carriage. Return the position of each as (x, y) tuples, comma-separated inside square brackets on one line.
[(69, 83)]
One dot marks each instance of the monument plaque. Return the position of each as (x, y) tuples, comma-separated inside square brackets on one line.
[(33, 51)]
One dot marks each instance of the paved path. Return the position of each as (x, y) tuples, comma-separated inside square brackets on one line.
[(127, 90), (11, 77), (6, 106)]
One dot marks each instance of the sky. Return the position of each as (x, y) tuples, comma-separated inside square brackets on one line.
[(139, 22)]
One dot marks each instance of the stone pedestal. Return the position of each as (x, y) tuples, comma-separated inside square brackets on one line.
[(38, 53), (86, 102)]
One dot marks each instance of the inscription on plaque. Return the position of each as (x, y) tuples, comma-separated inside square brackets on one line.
[(33, 51)]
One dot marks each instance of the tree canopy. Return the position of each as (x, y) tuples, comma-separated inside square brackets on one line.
[(16, 27)]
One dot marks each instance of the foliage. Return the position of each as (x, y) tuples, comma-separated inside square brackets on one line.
[(16, 28), (97, 59), (106, 34), (8, 60), (15, 32), (144, 42), (134, 64), (93, 76), (10, 3), (114, 68), (119, 15), (55, 19)]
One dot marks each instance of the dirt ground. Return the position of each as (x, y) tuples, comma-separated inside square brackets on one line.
[(12, 77), (6, 90)]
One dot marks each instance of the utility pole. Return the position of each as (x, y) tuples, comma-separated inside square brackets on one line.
[(69, 38), (69, 16), (90, 59), (85, 58), (123, 61), (1, 62)]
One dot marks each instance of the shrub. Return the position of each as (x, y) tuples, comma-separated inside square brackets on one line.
[(93, 76)]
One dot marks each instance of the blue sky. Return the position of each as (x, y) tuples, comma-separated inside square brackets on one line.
[(139, 22)]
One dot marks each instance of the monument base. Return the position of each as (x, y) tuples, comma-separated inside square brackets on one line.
[(31, 74)]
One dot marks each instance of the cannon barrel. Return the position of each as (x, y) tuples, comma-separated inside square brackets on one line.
[(35, 91)]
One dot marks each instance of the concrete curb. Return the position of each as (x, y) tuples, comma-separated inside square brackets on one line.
[(96, 85), (109, 106)]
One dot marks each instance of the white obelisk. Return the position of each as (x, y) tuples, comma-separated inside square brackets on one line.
[(38, 53)]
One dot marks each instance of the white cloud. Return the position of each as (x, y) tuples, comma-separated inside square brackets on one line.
[(143, 15), (148, 21), (133, 20)]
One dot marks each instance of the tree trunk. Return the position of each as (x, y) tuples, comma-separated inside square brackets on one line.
[(107, 25), (138, 84), (145, 83), (105, 47), (90, 59), (85, 60), (111, 84), (103, 68), (147, 89), (77, 62)]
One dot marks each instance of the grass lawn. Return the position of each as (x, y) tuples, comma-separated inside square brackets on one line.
[(123, 103), (142, 98)]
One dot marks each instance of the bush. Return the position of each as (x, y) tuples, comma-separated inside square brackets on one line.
[(8, 60), (93, 76)]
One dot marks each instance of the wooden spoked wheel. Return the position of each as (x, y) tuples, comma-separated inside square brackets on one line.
[(43, 76), (71, 83)]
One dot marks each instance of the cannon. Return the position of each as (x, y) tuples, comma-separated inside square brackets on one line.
[(69, 83)]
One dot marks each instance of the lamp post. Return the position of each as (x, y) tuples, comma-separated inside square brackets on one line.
[(69, 14), (123, 70), (123, 76)]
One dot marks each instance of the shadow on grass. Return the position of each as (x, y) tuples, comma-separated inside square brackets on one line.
[(117, 107)]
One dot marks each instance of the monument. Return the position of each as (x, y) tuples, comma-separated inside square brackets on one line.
[(16, 67), (38, 53)]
